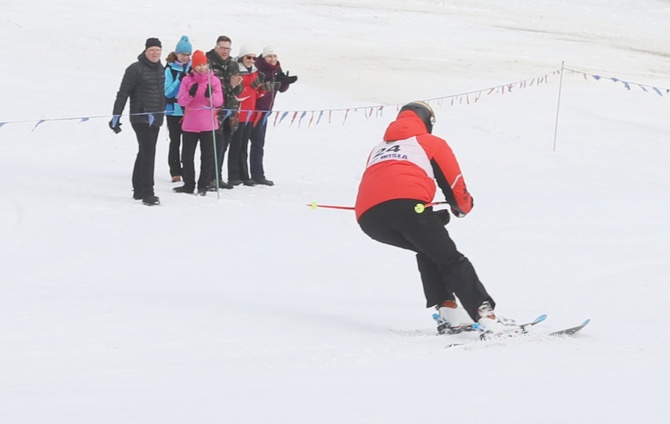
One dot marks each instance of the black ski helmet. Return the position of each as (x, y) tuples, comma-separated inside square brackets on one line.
[(423, 111)]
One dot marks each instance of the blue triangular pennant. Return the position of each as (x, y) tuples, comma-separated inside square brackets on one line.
[(266, 115), (37, 124)]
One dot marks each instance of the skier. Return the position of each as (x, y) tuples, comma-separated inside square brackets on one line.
[(399, 180)]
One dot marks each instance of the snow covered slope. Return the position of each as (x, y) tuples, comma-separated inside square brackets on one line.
[(251, 307)]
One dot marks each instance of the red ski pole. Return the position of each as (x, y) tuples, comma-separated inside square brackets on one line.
[(419, 208), (315, 205)]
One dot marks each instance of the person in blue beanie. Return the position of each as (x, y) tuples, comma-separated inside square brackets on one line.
[(178, 65)]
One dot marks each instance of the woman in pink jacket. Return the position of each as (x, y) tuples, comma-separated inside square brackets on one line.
[(200, 94)]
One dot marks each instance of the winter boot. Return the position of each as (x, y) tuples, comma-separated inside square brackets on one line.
[(452, 318), (495, 324), (183, 189), (264, 181), (151, 201), (222, 184)]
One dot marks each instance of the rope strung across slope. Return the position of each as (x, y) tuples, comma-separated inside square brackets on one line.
[(627, 84), (299, 116)]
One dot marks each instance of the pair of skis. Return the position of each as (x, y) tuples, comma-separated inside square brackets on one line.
[(484, 335)]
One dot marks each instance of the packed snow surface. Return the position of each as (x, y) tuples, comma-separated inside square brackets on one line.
[(249, 307)]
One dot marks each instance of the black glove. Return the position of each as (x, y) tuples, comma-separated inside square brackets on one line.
[(444, 216), (457, 213), (207, 91), (115, 125), (290, 79), (193, 89)]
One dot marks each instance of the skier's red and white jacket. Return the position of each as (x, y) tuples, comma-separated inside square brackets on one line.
[(407, 164)]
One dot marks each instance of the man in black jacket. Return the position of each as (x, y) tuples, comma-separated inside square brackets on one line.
[(143, 82), (227, 70)]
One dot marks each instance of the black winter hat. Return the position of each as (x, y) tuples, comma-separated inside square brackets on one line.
[(152, 42), (423, 111)]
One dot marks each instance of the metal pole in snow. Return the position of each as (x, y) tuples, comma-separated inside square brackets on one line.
[(215, 116), (558, 104)]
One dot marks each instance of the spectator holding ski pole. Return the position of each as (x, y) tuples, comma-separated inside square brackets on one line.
[(200, 94)]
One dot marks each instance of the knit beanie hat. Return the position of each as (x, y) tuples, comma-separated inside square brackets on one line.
[(198, 58), (245, 50), (152, 42), (183, 46), (269, 50)]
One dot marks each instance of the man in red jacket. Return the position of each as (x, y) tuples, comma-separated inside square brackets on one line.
[(401, 177)]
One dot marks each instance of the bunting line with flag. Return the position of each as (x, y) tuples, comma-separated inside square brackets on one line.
[(298, 116), (628, 85)]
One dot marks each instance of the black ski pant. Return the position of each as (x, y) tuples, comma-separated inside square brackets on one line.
[(222, 136), (143, 172), (257, 150), (237, 155), (174, 155), (191, 139), (444, 270)]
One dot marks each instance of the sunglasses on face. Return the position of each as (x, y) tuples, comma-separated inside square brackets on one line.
[(250, 57)]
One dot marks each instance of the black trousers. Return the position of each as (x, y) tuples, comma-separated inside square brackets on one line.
[(223, 136), (257, 150), (174, 156), (191, 139), (444, 270), (237, 156), (143, 172)]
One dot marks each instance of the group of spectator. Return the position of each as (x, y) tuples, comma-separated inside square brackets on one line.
[(212, 99)]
